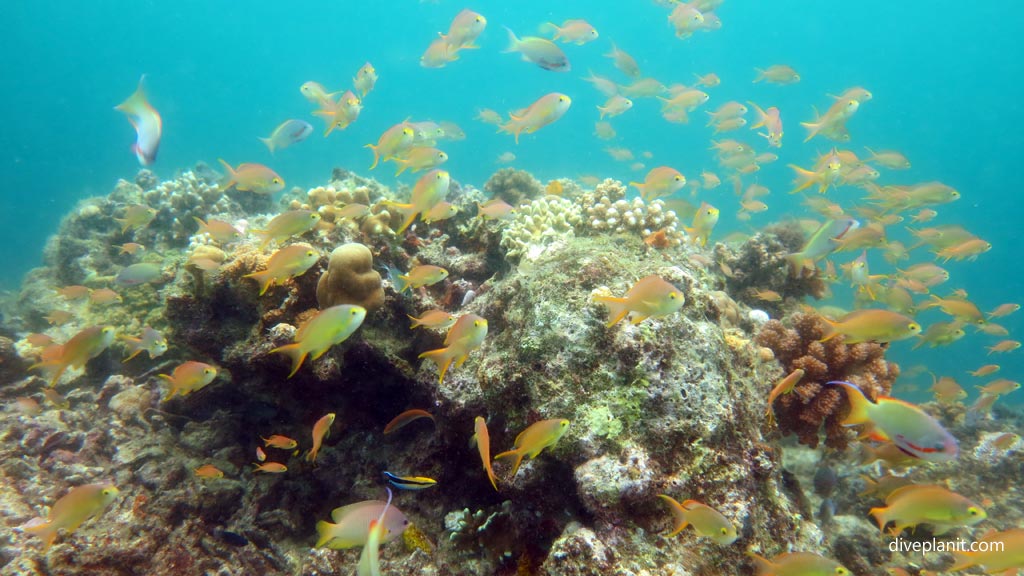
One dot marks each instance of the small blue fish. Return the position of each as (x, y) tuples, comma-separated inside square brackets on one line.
[(409, 482), (288, 133)]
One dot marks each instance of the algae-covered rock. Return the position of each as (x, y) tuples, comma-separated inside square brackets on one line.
[(350, 279)]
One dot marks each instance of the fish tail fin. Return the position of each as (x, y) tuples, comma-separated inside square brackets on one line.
[(411, 216), (376, 155), (45, 530), (761, 116), (269, 143), (55, 365), (403, 165), (812, 129), (804, 178), (513, 41), (203, 226), (797, 262), (764, 566), (442, 357), (170, 382), (880, 516), (860, 406), (415, 322), (830, 331), (518, 453), (296, 353), (323, 532), (550, 28), (133, 354), (125, 225), (264, 279), (617, 309), (639, 186), (760, 75), (231, 174), (678, 512)]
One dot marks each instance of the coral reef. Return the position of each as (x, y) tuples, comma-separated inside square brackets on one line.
[(350, 279), (759, 265), (606, 210), (812, 404)]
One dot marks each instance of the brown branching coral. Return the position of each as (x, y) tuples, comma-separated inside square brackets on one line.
[(812, 403)]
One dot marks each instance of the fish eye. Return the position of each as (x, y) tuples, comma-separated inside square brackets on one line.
[(310, 253), (725, 531), (841, 571), (973, 511), (277, 180)]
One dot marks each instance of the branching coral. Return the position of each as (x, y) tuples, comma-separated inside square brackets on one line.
[(539, 223), (812, 403), (606, 209)]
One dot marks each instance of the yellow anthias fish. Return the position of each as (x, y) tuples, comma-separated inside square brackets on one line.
[(660, 181), (341, 114), (482, 439), (189, 377), (532, 441), (624, 62), (707, 521), (650, 297), (1003, 552), (466, 335), (784, 386), (464, 30), (923, 504), (315, 92), (420, 276), (351, 527), (136, 216), (614, 106), (392, 142), (365, 79), (288, 262), (147, 123), (252, 177), (544, 111), (798, 564), (539, 51), (441, 211), (703, 223), (71, 510), (321, 430), (288, 224), (577, 32), (429, 190), (420, 158), (82, 347), (872, 325), (329, 327)]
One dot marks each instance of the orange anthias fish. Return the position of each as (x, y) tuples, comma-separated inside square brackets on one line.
[(252, 177), (392, 143), (1003, 552), (321, 430), (917, 504), (189, 377), (911, 429), (405, 418), (482, 439), (288, 262), (650, 297), (543, 111), (466, 335), (660, 181), (147, 123), (784, 386), (208, 472), (82, 347), (429, 190), (278, 441)]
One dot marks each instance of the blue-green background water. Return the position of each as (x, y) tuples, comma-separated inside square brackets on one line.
[(945, 79)]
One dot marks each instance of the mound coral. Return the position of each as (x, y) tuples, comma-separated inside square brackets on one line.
[(513, 186), (350, 279), (538, 224), (812, 403)]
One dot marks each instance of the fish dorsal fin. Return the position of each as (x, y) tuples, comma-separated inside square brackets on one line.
[(339, 514)]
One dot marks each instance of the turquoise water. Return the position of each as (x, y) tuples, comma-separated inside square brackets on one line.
[(944, 78)]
